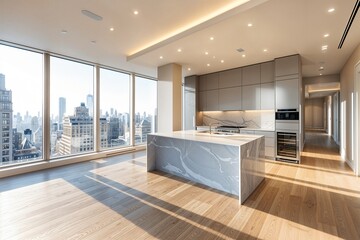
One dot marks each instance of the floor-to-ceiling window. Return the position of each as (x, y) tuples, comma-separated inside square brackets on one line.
[(114, 108), (21, 77), (145, 108), (71, 107)]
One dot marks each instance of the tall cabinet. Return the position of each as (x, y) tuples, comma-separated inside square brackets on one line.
[(190, 101), (289, 93)]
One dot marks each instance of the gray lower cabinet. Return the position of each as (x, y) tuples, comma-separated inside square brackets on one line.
[(250, 98), (212, 100), (230, 98), (267, 96), (269, 141)]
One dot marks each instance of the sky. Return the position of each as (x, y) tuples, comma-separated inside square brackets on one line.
[(23, 72)]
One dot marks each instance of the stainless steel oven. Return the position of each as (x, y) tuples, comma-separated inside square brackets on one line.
[(287, 115), (287, 146)]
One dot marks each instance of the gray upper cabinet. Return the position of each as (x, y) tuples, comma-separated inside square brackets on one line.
[(287, 94), (287, 66), (190, 83), (212, 81), (230, 98), (212, 100), (251, 75), (230, 78), (209, 82), (202, 83), (267, 96), (202, 101), (250, 98), (267, 72)]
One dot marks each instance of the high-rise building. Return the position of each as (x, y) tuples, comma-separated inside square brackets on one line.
[(114, 128), (6, 122), (27, 149), (142, 130), (78, 132), (90, 104), (62, 111)]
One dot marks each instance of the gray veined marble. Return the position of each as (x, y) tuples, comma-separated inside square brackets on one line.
[(232, 166)]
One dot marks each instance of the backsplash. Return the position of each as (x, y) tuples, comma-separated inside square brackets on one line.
[(251, 119)]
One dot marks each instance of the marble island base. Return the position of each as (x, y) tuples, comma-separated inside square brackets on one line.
[(234, 165)]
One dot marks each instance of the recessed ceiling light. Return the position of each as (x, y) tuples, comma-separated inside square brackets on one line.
[(249, 24), (136, 12), (321, 68), (243, 55), (330, 10), (112, 29), (222, 61), (324, 47), (265, 50), (189, 69), (206, 53), (211, 38), (320, 74), (64, 31), (179, 50), (326, 35), (214, 57), (208, 64), (161, 57), (91, 15)]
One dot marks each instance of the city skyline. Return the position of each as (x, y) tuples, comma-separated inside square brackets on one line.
[(71, 92), (23, 71)]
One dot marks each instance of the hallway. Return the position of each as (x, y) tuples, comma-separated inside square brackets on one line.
[(323, 194)]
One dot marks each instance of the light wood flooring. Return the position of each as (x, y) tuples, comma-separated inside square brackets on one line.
[(116, 198)]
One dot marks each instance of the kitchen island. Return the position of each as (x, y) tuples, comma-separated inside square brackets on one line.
[(230, 163)]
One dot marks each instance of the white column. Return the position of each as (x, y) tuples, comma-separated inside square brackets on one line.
[(169, 98)]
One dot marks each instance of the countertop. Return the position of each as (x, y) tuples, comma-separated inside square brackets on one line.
[(193, 135), (245, 128)]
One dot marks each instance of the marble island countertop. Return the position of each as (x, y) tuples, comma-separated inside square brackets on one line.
[(201, 128), (233, 139), (232, 163)]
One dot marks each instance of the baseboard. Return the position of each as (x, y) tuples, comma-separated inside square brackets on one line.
[(350, 164)]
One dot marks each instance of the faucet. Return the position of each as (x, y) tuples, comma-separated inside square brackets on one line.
[(211, 124)]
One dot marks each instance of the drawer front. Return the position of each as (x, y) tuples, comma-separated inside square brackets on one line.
[(281, 126), (247, 131), (270, 134), (269, 142), (270, 152)]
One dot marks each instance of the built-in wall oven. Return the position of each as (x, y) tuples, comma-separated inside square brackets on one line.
[(287, 140)]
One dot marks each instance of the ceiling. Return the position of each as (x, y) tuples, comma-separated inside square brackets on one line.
[(320, 90), (142, 42)]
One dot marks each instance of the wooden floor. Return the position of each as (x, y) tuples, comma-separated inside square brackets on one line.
[(116, 198)]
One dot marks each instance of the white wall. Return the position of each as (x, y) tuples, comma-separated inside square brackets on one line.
[(314, 113), (169, 98), (347, 78)]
